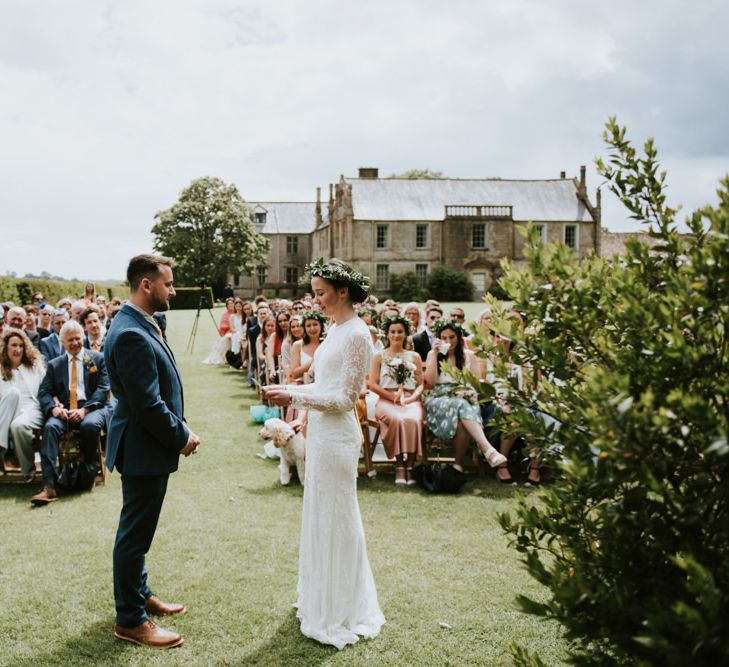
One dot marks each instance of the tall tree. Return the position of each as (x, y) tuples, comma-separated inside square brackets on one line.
[(208, 232)]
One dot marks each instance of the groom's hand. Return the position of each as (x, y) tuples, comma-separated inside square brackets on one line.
[(193, 442)]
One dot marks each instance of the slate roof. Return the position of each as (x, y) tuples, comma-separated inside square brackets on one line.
[(287, 217), (426, 199)]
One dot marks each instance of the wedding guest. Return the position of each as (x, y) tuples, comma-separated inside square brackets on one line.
[(89, 296), (225, 326), (78, 307), (375, 336), (273, 351), (22, 370), (90, 321), (412, 312), (247, 310), (302, 353), (30, 326), (15, 319), (489, 410), (74, 394), (66, 302), (238, 335), (222, 345), (254, 327), (51, 346), (423, 341), (265, 339), (294, 333), (45, 313), (396, 377), (451, 416)]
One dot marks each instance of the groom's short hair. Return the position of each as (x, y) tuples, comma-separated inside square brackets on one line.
[(145, 266)]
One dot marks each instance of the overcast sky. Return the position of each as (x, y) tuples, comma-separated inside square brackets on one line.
[(109, 109)]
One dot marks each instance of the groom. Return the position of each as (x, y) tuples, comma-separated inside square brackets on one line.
[(146, 436)]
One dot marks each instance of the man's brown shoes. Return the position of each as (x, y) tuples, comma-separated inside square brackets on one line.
[(149, 634), (47, 495), (156, 607)]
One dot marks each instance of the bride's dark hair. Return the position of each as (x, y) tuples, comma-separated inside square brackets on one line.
[(345, 276)]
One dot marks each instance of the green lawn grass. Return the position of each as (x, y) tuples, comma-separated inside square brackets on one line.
[(227, 546)]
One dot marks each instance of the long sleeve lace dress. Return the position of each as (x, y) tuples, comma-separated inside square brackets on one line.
[(337, 598)]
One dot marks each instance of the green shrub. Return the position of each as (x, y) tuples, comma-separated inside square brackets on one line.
[(192, 298), (20, 290), (405, 287), (447, 284), (632, 538)]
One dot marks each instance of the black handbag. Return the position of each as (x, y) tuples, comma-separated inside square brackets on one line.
[(77, 476), (439, 477)]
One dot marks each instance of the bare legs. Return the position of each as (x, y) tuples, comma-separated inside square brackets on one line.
[(471, 429)]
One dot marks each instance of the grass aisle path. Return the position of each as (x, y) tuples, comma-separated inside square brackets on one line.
[(227, 545)]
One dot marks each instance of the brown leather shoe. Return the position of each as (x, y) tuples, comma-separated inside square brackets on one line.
[(149, 634), (47, 495), (156, 607)]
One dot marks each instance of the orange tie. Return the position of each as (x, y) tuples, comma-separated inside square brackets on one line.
[(74, 385), (95, 345)]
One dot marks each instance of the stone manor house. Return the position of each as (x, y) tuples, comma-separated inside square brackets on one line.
[(384, 226)]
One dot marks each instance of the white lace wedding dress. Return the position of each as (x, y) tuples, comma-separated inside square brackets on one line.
[(337, 598)]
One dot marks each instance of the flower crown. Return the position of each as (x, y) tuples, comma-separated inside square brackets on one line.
[(396, 319), (314, 315), (443, 323), (334, 273)]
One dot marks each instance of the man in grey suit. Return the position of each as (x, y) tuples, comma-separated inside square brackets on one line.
[(146, 436), (50, 346)]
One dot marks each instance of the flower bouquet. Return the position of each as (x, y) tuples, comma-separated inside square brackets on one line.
[(400, 371)]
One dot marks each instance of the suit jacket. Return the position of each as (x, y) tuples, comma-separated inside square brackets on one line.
[(33, 337), (51, 347), (252, 331), (147, 427), (87, 344), (55, 383), (421, 343)]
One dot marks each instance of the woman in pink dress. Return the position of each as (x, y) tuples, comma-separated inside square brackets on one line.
[(397, 378)]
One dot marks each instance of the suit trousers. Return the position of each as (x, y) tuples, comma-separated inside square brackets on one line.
[(18, 419), (89, 431), (142, 502)]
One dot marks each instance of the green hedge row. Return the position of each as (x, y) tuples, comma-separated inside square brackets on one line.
[(20, 290), (192, 298)]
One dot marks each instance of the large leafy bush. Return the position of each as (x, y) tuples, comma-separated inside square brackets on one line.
[(630, 356)]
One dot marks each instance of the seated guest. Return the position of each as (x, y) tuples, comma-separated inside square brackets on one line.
[(74, 395), (31, 326), (16, 318), (237, 336), (295, 332), (77, 307), (22, 370), (66, 302), (302, 352), (423, 341), (451, 416), (490, 409), (90, 321), (51, 346), (222, 345), (397, 378), (263, 341), (254, 326), (412, 312), (44, 320), (273, 350), (101, 305)]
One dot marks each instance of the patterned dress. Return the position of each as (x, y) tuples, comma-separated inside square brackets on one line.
[(443, 410)]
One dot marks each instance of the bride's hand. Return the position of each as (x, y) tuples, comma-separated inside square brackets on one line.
[(277, 395)]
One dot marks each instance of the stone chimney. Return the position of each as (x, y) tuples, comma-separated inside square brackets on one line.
[(563, 174), (369, 172), (318, 207)]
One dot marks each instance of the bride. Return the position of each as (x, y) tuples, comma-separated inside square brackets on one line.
[(337, 599)]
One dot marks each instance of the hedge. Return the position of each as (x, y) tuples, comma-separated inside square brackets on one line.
[(20, 290)]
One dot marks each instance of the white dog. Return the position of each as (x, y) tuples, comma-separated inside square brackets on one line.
[(291, 445)]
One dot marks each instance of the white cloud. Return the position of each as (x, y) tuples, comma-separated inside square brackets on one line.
[(112, 108)]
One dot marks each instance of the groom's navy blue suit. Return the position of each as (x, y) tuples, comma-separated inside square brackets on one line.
[(146, 433)]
